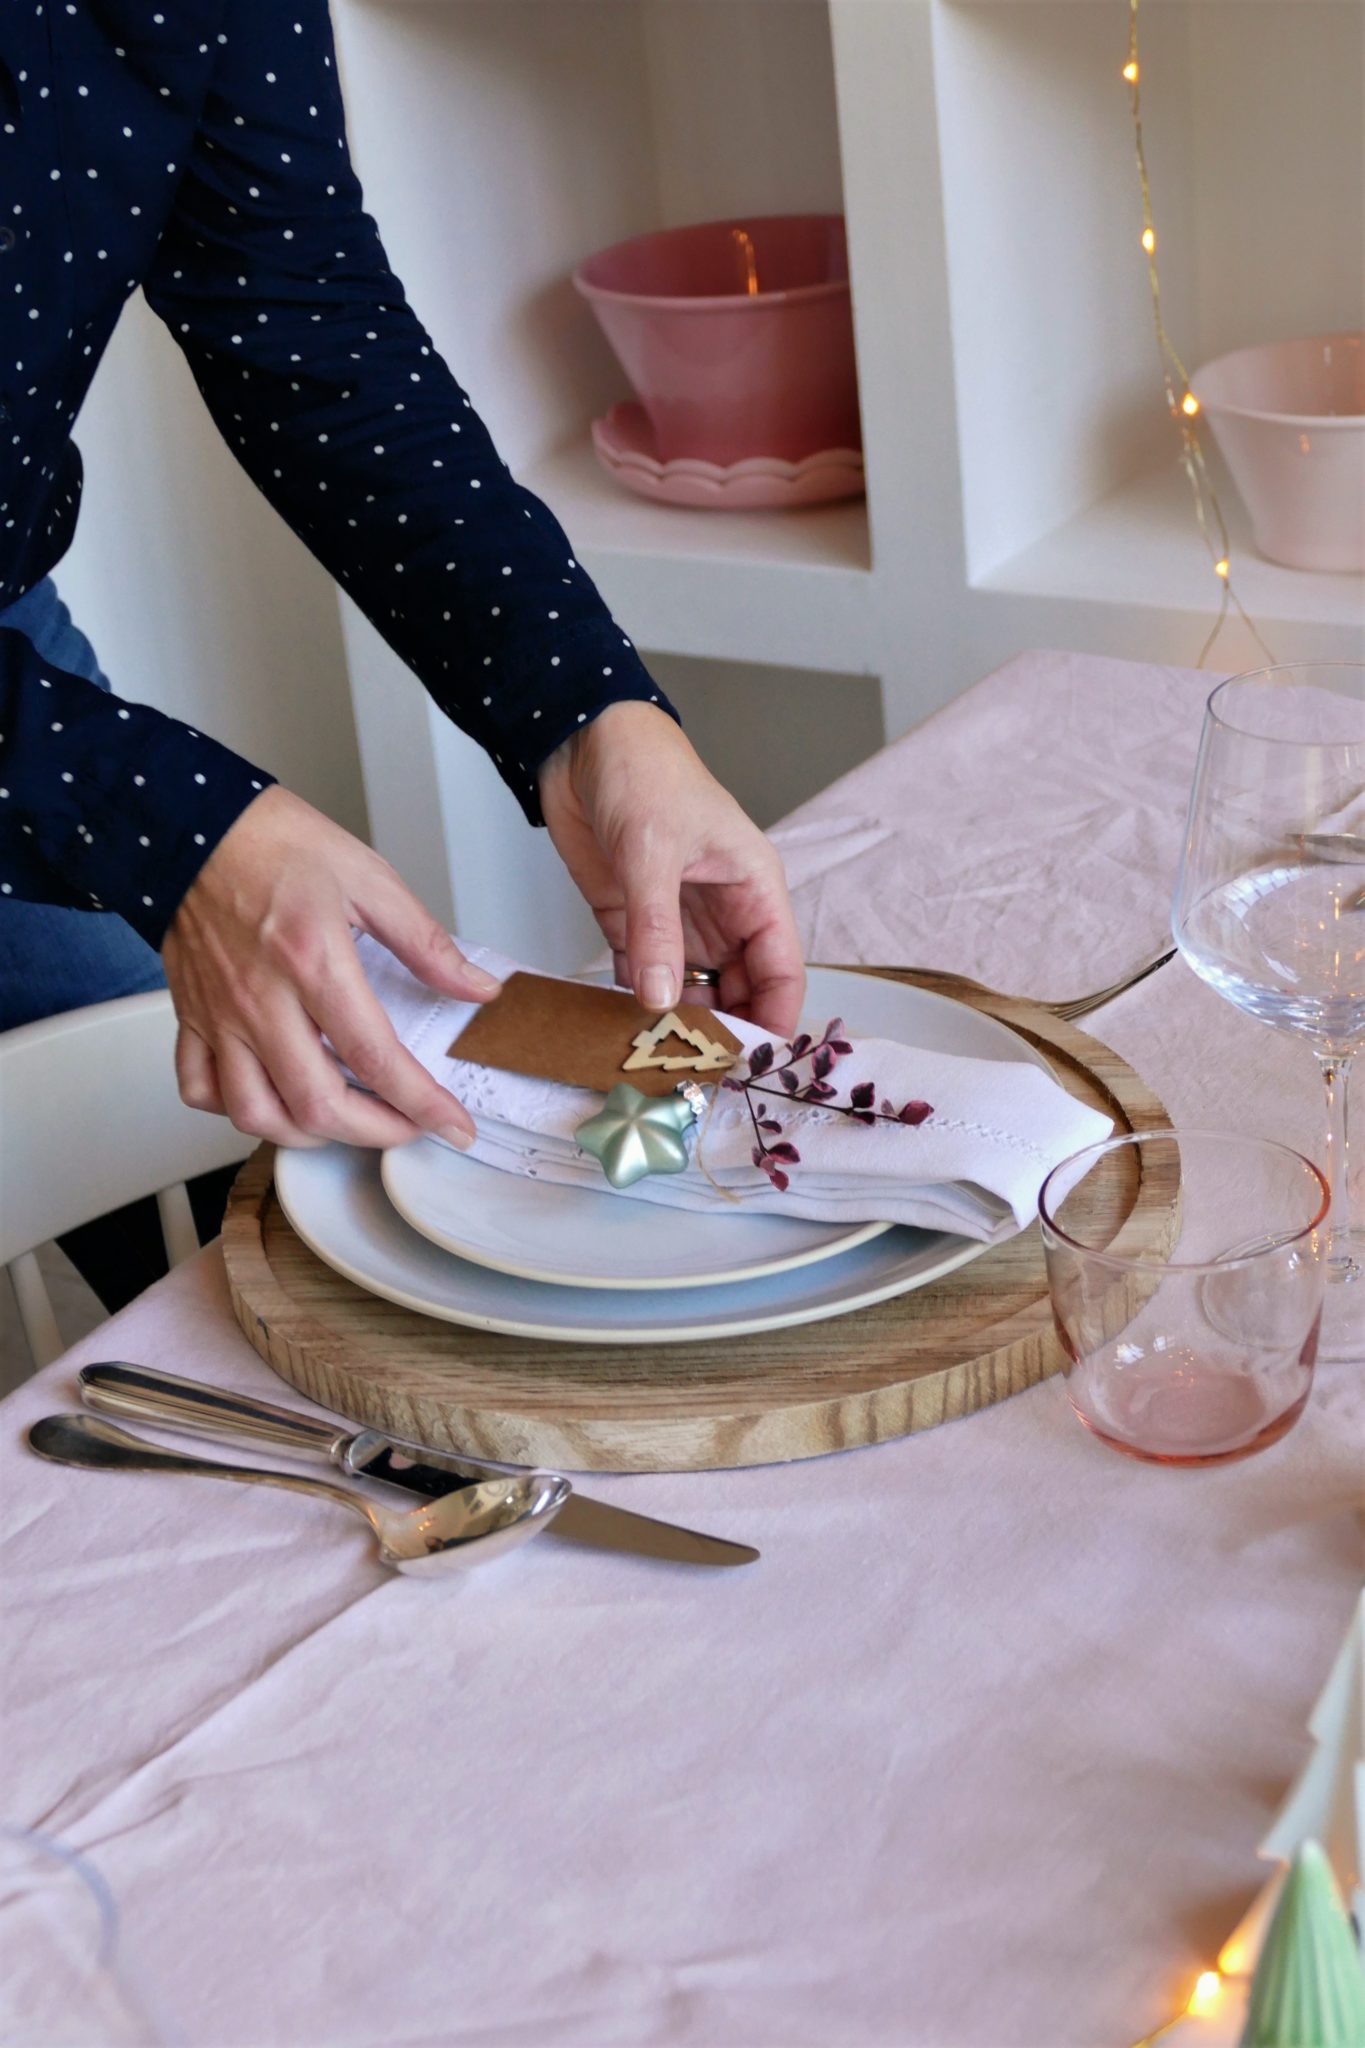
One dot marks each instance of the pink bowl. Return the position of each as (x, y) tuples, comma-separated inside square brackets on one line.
[(1289, 417), (737, 335)]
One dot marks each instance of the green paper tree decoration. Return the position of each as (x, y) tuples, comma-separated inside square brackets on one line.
[(1309, 1988)]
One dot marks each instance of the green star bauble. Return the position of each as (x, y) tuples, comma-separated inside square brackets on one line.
[(634, 1134)]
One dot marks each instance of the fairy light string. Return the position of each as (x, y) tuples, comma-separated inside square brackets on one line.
[(1183, 403), (1203, 2002)]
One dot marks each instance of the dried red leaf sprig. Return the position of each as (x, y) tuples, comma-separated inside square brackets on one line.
[(823, 1055)]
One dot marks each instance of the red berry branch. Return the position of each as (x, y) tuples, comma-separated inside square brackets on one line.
[(823, 1056)]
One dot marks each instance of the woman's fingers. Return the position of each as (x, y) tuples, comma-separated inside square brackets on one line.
[(276, 1079), (287, 1087), (313, 1088), (260, 960), (734, 994), (649, 869), (355, 1022), (251, 1099), (196, 1072), (776, 974), (393, 915)]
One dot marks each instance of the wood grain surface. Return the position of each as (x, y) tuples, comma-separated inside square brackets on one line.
[(974, 1338)]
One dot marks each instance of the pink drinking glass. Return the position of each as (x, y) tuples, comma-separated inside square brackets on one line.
[(1199, 1351)]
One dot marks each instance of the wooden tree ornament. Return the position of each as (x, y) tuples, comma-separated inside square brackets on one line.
[(708, 1055)]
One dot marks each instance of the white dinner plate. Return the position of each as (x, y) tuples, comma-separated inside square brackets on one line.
[(335, 1200), (586, 1237)]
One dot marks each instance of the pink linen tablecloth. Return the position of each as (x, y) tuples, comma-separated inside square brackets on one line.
[(976, 1757), (1027, 835)]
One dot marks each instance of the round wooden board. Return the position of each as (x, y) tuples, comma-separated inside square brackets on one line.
[(974, 1338)]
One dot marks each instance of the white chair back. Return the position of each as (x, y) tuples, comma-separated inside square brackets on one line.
[(90, 1118)]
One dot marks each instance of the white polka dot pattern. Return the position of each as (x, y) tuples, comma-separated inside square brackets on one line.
[(213, 171)]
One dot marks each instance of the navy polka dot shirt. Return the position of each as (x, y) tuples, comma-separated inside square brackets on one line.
[(197, 148)]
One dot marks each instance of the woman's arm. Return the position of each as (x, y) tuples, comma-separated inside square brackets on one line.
[(326, 386), (273, 279), (106, 805)]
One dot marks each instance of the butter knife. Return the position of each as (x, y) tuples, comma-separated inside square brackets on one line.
[(138, 1393)]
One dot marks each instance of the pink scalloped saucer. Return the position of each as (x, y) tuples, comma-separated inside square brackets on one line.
[(626, 448)]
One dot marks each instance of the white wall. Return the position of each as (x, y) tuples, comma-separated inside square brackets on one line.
[(1279, 171), (774, 736), (197, 597), (1062, 392), (741, 100), (498, 142)]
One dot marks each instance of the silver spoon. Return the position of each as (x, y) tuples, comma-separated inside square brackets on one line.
[(466, 1527)]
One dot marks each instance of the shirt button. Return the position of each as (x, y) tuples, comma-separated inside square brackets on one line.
[(8, 238)]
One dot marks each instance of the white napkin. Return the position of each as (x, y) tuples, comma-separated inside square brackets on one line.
[(973, 1167)]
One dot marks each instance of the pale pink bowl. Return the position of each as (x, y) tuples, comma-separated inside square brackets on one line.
[(1289, 417), (737, 335)]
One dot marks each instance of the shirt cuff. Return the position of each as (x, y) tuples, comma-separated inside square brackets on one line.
[(601, 669)]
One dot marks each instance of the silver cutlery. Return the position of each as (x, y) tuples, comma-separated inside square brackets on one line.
[(465, 1527), (1067, 1010), (138, 1393)]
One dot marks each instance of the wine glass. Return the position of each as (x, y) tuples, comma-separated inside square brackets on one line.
[(1270, 904)]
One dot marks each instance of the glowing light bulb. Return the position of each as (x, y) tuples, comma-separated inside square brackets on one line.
[(1149, 239), (1205, 1994), (1222, 568), (1130, 72), (1189, 405)]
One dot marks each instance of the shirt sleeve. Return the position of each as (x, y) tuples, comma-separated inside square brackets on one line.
[(273, 279), (105, 805)]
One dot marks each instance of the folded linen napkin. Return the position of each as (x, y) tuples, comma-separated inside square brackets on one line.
[(973, 1167)]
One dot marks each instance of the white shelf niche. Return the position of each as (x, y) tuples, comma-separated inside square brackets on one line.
[(780, 588), (1139, 547), (551, 130), (500, 142), (1254, 116)]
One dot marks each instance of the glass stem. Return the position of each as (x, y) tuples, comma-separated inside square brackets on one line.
[(1336, 1074)]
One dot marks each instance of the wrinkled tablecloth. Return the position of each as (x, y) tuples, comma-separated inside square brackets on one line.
[(976, 1757), (1027, 835)]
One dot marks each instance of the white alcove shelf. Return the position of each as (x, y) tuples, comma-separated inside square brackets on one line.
[(1022, 482), (1255, 132), (500, 142)]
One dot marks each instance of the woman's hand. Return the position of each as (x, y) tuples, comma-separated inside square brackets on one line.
[(672, 868), (261, 961)]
